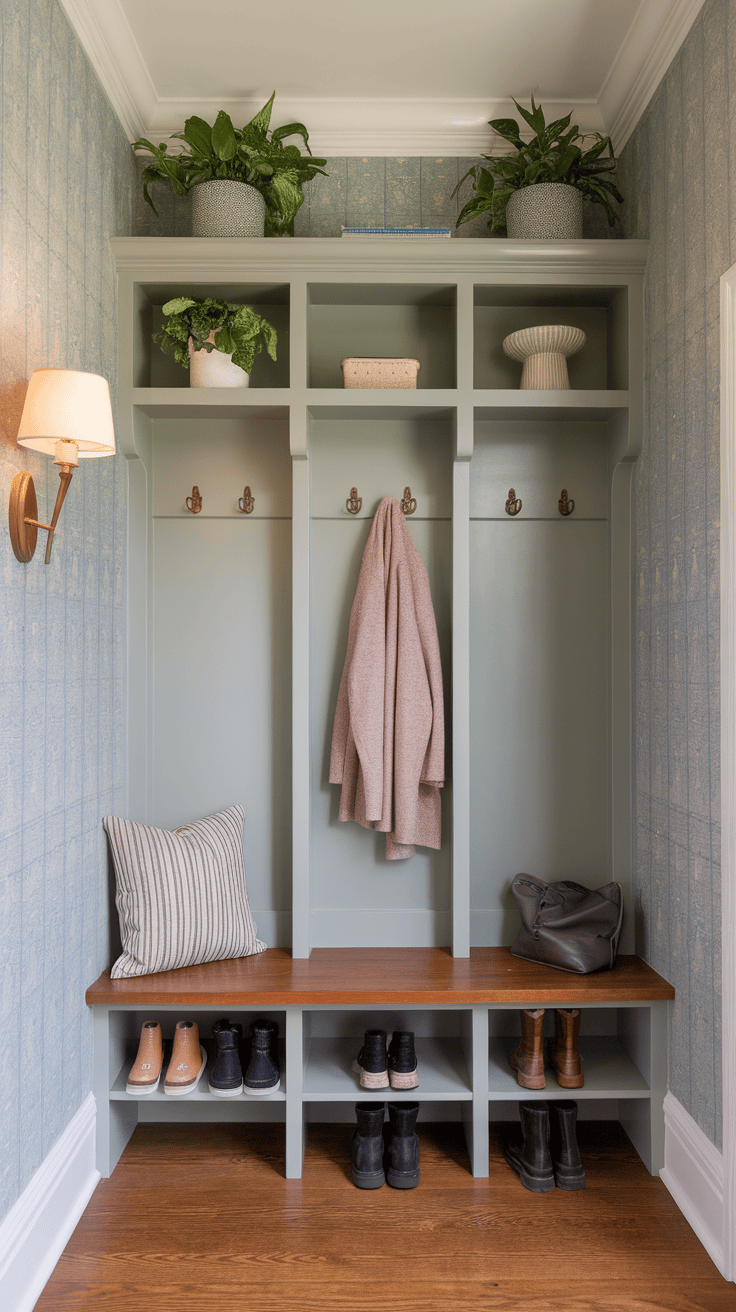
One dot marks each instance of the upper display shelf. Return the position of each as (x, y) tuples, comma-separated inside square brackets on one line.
[(448, 305)]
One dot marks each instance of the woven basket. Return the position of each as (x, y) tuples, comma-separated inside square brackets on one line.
[(364, 371)]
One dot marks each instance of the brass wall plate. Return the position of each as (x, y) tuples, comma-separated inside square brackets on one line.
[(23, 503)]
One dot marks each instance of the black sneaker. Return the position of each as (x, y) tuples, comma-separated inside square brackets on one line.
[(371, 1062), (402, 1061)]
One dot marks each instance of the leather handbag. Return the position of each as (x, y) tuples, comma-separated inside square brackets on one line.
[(567, 926)]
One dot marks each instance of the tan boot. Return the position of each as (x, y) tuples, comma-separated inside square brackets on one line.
[(188, 1060), (145, 1072), (564, 1050), (528, 1059)]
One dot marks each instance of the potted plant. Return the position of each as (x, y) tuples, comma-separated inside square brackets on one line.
[(240, 178), (215, 340), (538, 189)]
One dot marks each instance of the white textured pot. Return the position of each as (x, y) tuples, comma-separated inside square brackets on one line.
[(226, 208), (544, 351), (214, 369), (546, 211)]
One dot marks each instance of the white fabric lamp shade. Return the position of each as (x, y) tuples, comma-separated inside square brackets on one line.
[(66, 405)]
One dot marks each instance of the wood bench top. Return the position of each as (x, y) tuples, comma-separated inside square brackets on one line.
[(381, 976)]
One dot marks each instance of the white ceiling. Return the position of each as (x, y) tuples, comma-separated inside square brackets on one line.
[(391, 77)]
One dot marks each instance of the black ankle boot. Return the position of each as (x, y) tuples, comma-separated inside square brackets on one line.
[(262, 1075), (531, 1159), (402, 1061), (366, 1150), (566, 1163), (226, 1073), (371, 1062), (401, 1158)]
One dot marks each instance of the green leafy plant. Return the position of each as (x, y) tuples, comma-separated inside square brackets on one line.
[(239, 330), (251, 154), (552, 155)]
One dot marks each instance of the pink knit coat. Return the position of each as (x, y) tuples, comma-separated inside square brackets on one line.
[(388, 742)]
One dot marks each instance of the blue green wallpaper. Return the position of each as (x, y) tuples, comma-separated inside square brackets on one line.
[(675, 175), (66, 173)]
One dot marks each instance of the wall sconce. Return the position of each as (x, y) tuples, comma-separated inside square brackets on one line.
[(67, 414)]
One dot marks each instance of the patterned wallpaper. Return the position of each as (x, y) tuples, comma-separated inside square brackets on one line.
[(375, 192), (675, 174), (67, 176)]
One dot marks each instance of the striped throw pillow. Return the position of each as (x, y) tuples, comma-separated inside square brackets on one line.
[(181, 896)]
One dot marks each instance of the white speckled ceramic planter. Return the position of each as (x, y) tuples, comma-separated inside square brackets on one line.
[(226, 208), (544, 351), (546, 211), (214, 369)]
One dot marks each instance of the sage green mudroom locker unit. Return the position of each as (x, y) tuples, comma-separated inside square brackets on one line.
[(238, 628)]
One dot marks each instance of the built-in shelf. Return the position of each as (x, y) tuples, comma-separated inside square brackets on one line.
[(211, 402), (608, 1072), (442, 1069), (509, 403), (200, 1094)]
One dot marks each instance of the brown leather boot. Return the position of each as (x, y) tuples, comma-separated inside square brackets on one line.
[(188, 1060), (564, 1050), (528, 1059), (145, 1072)]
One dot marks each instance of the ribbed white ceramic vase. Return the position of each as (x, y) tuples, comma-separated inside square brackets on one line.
[(214, 369), (544, 351)]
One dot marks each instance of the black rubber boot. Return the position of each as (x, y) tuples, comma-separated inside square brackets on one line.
[(371, 1062), (401, 1158), (402, 1061), (531, 1159), (366, 1150), (262, 1075), (566, 1163), (226, 1072)]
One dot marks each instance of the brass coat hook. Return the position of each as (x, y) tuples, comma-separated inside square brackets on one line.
[(354, 502), (408, 502), (246, 502), (513, 503), (566, 507), (194, 502)]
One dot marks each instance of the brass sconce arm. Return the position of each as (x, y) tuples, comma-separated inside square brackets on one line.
[(65, 477)]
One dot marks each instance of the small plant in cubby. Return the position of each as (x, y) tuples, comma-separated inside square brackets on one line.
[(215, 340)]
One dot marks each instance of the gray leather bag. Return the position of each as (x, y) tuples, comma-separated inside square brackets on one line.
[(566, 925)]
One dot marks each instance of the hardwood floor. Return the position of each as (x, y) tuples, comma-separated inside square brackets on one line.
[(199, 1217)]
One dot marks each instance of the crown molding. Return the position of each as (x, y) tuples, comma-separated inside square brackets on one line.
[(365, 126), (651, 43), (108, 42)]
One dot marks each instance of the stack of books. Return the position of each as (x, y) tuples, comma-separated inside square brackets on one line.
[(397, 232)]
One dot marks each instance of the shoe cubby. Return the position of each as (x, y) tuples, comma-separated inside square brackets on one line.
[(332, 1040), (237, 638), (395, 320), (601, 312)]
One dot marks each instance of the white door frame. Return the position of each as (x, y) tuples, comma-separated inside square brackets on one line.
[(728, 759)]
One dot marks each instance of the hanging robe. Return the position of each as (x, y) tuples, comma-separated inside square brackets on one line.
[(388, 741)]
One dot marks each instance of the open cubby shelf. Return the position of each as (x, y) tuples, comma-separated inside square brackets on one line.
[(463, 1011), (238, 628)]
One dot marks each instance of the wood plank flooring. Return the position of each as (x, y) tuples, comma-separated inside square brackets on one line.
[(201, 1217)]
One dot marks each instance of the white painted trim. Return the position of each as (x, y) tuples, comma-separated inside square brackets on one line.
[(728, 759), (693, 1174), (651, 43), (108, 42), (367, 126), (36, 1230)]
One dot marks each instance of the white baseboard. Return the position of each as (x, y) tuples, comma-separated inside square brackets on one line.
[(693, 1174), (36, 1230)]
